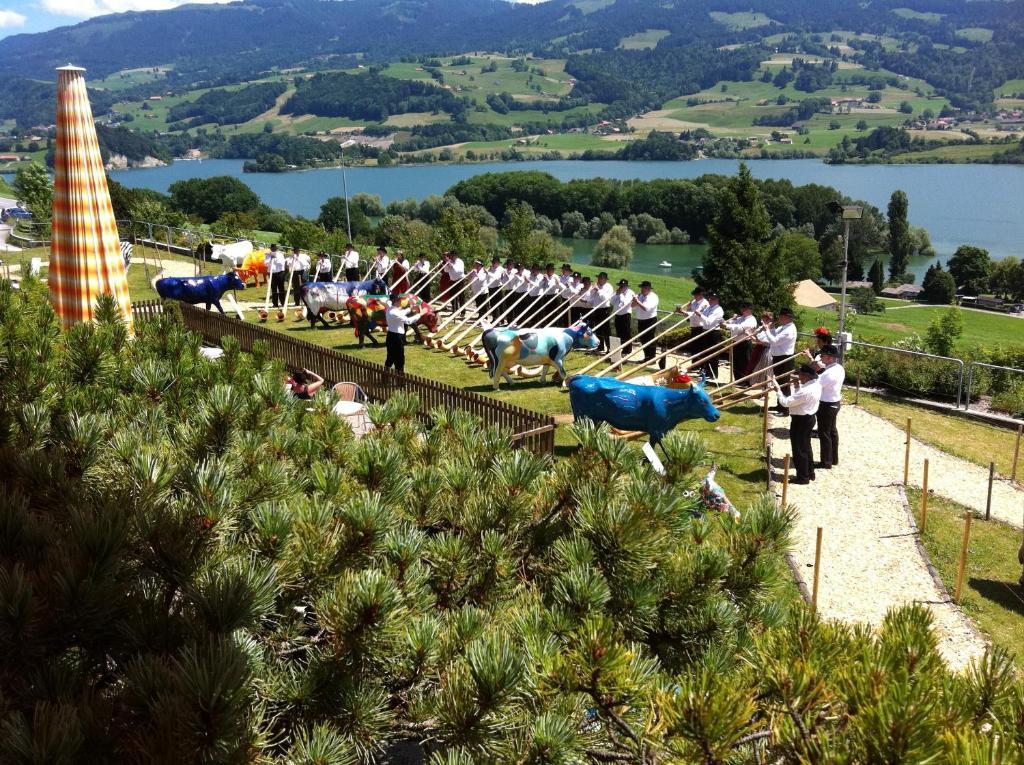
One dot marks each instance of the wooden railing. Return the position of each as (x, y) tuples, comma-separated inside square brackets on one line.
[(531, 430)]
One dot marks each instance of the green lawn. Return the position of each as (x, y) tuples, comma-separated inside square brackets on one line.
[(907, 13), (991, 596), (975, 34), (737, 22), (649, 38), (962, 437), (961, 153)]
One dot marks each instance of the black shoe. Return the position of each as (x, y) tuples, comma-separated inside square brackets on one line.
[(822, 466), (813, 476), (800, 481)]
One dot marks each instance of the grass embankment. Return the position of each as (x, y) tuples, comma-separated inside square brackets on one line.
[(968, 439), (991, 596)]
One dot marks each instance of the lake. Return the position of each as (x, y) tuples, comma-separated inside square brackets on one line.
[(958, 204)]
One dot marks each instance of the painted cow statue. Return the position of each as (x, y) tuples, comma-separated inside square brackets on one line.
[(507, 346), (367, 314), (199, 289), (321, 297), (651, 409), (253, 265)]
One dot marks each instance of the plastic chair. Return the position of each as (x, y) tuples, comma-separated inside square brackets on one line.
[(349, 391)]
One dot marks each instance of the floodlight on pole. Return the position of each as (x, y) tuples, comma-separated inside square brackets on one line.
[(846, 213), (344, 184)]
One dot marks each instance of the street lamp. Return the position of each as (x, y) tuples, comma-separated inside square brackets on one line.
[(344, 184), (846, 213)]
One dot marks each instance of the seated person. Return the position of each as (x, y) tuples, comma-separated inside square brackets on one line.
[(303, 384)]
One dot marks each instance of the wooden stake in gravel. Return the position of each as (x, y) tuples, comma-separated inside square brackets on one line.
[(764, 425), (785, 479), (856, 395), (963, 558), (988, 499), (924, 497), (906, 457), (1016, 453), (817, 571)]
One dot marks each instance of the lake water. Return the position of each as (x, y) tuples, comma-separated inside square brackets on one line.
[(958, 204)]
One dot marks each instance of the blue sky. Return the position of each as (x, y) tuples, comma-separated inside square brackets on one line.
[(17, 16)]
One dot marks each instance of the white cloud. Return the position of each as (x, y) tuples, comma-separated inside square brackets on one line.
[(11, 19), (88, 8)]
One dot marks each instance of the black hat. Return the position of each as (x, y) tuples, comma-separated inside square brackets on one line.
[(509, 262), (549, 266), (586, 280), (519, 266), (644, 283), (566, 267), (711, 296), (495, 259), (576, 274), (623, 282), (296, 248), (478, 262), (786, 312), (829, 350), (382, 248), (273, 248), (603, 275), (321, 254), (697, 291), (745, 305), (807, 369)]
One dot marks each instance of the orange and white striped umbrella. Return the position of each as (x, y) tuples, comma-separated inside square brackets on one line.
[(85, 256)]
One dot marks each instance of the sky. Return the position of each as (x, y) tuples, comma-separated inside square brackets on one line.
[(19, 16)]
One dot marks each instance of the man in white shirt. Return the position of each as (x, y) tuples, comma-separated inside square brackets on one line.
[(420, 269), (711, 317), (570, 296), (581, 309), (645, 306), (506, 285), (478, 286), (551, 285), (803, 406), (350, 263), (831, 380), (694, 308), (323, 270), (622, 310), (298, 267), (381, 264), (398, 317), (600, 300), (739, 326), (780, 337), (456, 272), (274, 261), (494, 275)]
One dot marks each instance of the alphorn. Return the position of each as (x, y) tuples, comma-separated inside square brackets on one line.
[(448, 302), (706, 355), (425, 279), (734, 383), (464, 325), (480, 321), (463, 313), (639, 347), (754, 391), (663, 355), (497, 322), (287, 293)]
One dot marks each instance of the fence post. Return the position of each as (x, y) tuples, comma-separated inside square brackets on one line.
[(856, 395), (906, 457), (988, 499), (817, 571), (764, 423), (963, 557), (785, 479), (924, 497), (1016, 453)]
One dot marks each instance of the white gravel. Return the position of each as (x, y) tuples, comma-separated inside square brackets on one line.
[(870, 562)]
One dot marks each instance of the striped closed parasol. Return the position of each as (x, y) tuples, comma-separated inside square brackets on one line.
[(85, 257)]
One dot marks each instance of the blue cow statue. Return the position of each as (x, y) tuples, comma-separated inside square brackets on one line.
[(199, 289), (507, 346), (651, 409), (320, 297)]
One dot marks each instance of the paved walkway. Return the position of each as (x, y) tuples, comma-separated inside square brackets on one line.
[(870, 562)]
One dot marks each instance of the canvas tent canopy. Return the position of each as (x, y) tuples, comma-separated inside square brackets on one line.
[(808, 294)]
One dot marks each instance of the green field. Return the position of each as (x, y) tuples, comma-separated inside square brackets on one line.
[(907, 13), (129, 78), (975, 34), (649, 38), (962, 153), (742, 20)]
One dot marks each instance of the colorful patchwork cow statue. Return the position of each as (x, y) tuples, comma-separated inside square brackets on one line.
[(321, 297), (507, 346), (367, 313), (651, 409), (199, 289)]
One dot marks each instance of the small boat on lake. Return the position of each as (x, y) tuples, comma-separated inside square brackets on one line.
[(664, 264)]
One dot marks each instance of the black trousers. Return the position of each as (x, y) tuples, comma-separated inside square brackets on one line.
[(395, 358), (828, 436), (352, 274), (783, 370), (480, 301), (709, 339), (800, 427), (324, 276), (298, 279), (278, 283), (644, 334), (624, 331), (604, 333), (740, 359), (423, 293), (576, 313), (458, 298)]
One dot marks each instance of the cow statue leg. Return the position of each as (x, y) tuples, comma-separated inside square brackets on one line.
[(216, 303)]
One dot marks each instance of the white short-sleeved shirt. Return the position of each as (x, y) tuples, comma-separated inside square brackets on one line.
[(781, 339), (456, 270), (350, 259), (275, 262), (648, 308), (421, 266), (697, 306), (741, 324), (381, 265), (537, 285), (622, 302), (601, 296), (711, 317), (831, 380), (570, 290), (804, 400)]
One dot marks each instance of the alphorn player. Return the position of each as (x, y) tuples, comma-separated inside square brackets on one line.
[(710, 321), (622, 310), (645, 306), (420, 269), (802, 405), (739, 325), (830, 378), (780, 338)]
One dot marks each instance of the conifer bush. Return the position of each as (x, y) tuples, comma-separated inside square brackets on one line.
[(196, 568)]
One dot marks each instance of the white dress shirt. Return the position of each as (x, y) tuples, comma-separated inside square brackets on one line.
[(711, 316), (601, 296), (381, 266), (831, 381), (421, 267), (622, 302), (740, 325), (275, 262), (648, 308), (456, 270), (571, 290), (298, 262), (781, 339), (323, 267), (523, 281), (350, 259), (398, 318), (697, 306), (477, 281), (494, 274), (537, 286), (505, 279), (803, 400)]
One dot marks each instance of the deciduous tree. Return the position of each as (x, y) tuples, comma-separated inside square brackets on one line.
[(901, 245), (970, 267)]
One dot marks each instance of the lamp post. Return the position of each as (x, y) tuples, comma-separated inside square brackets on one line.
[(344, 184), (846, 213)]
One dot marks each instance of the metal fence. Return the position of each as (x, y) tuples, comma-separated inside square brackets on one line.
[(531, 430), (970, 376)]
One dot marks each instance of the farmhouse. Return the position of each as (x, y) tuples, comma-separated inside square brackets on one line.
[(903, 292), (808, 294)]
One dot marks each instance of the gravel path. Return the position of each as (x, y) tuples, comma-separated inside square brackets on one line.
[(869, 560)]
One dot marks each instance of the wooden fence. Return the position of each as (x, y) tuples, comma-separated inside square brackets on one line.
[(531, 430)]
